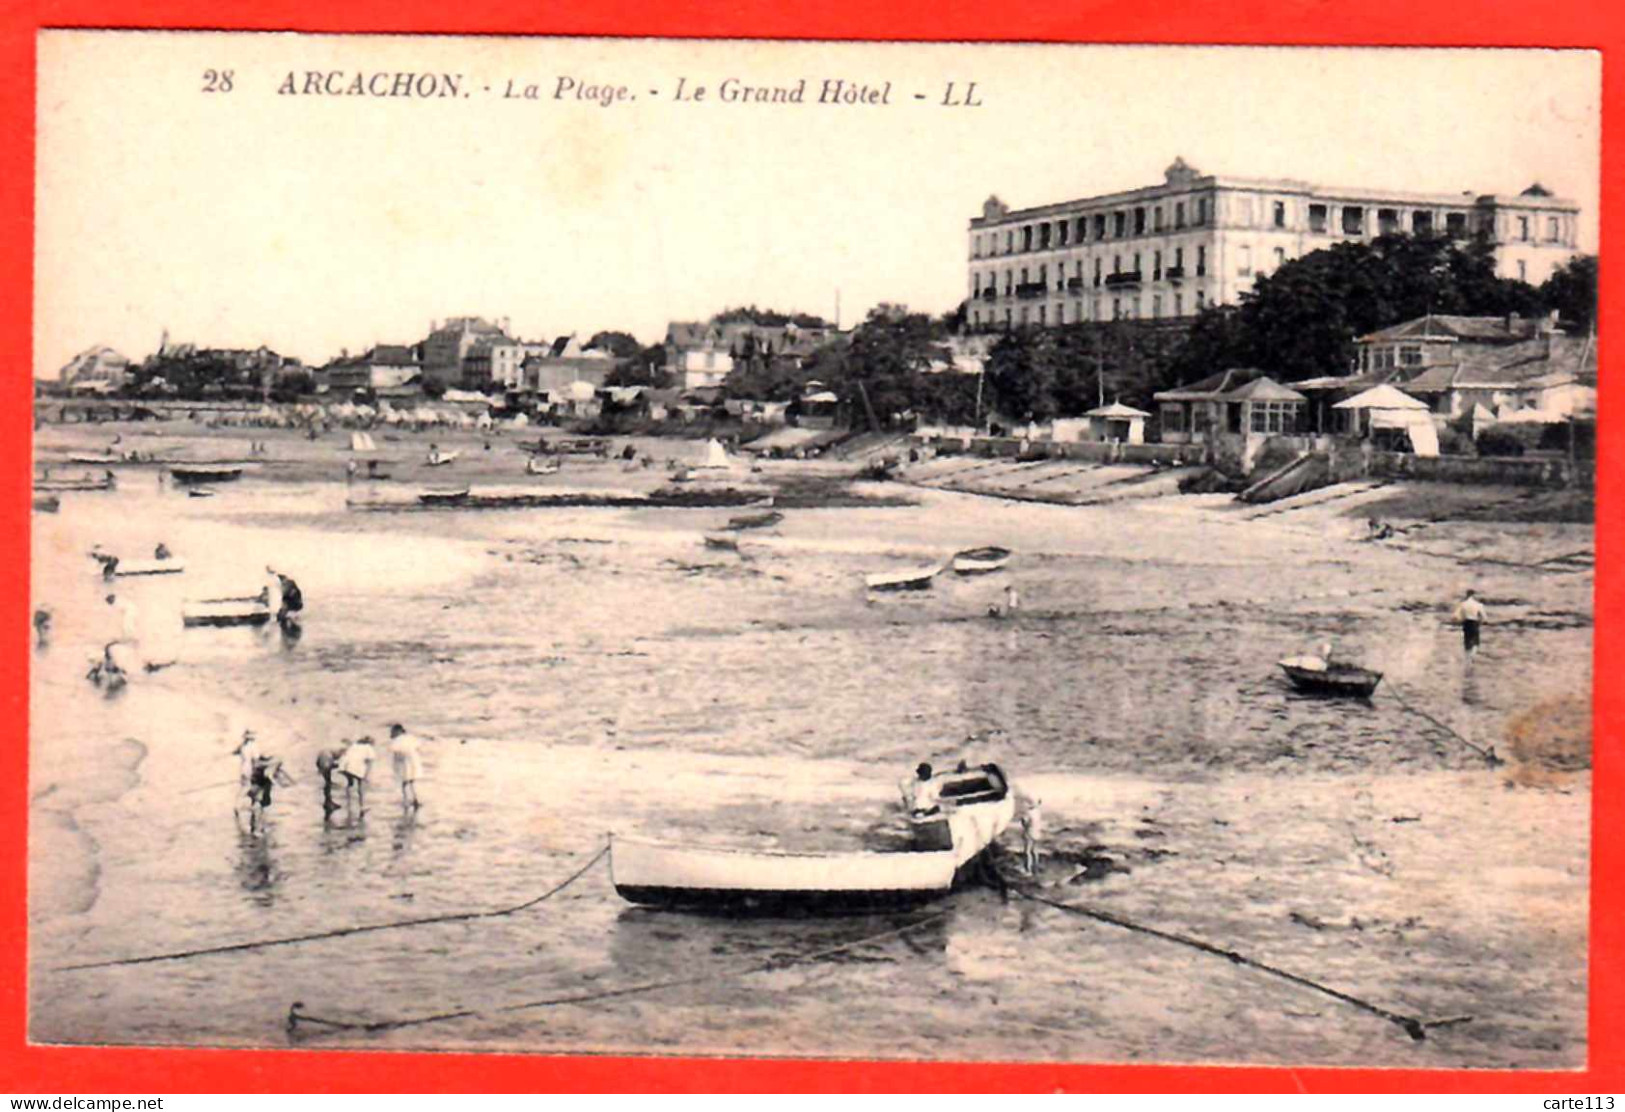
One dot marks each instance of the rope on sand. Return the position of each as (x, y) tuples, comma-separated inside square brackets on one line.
[(341, 932), (1415, 1028), (296, 1014), (1488, 754)]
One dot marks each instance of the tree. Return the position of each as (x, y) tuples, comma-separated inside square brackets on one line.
[(645, 367), (622, 345), (292, 386), (432, 388), (1572, 291)]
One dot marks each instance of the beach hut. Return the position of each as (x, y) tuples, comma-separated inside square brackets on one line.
[(1390, 418), (716, 456), (1116, 422)]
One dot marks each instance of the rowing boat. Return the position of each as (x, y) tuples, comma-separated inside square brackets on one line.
[(441, 459), (715, 540), (200, 492), (225, 612), (981, 561), (443, 497), (974, 807), (203, 474), (1314, 676), (47, 503), (756, 521), (535, 466), (149, 567), (42, 486), (909, 579)]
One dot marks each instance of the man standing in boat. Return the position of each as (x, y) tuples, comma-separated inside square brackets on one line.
[(920, 794), (1471, 614)]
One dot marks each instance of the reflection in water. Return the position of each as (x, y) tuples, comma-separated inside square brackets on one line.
[(405, 826), (256, 868)]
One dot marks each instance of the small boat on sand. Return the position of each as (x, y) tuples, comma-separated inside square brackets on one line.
[(909, 579), (83, 482), (756, 521), (981, 561), (443, 497), (716, 540), (190, 474), (441, 459), (975, 807), (47, 503), (248, 611), (1315, 676), (535, 465), (200, 492), (169, 566)]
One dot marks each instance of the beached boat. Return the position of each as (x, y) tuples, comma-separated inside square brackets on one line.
[(981, 561), (538, 466), (441, 459), (248, 611), (909, 579), (188, 474), (581, 446), (47, 503), (1314, 676), (170, 566), (443, 497), (717, 540), (200, 492), (975, 807), (84, 482), (756, 521)]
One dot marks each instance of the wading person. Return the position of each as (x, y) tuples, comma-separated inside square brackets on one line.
[(1471, 614), (1032, 832), (290, 599), (327, 765), (356, 763), (405, 750), (265, 772)]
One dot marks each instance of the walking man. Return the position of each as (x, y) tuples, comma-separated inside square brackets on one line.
[(327, 764), (356, 763), (405, 749), (1471, 614)]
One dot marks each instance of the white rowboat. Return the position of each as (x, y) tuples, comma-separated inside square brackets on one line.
[(911, 579), (980, 561)]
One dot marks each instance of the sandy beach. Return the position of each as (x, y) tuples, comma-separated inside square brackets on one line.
[(577, 672)]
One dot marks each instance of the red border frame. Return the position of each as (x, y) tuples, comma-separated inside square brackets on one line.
[(25, 1069)]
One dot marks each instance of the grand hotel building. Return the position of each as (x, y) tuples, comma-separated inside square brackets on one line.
[(1167, 251)]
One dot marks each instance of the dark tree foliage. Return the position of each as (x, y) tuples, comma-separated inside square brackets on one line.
[(645, 367), (768, 318), (1302, 321), (621, 345), (1572, 291), (292, 386), (1065, 371), (887, 360)]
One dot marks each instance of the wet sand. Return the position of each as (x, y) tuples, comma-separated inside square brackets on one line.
[(582, 671)]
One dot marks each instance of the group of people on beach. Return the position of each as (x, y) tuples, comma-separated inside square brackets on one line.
[(349, 763)]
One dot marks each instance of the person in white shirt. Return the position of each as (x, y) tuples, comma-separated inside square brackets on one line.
[(405, 749), (920, 794), (1032, 832), (356, 764), (1471, 614)]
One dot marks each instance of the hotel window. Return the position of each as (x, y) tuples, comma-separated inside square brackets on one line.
[(1387, 222), (1117, 264), (1041, 314), (1027, 237), (1245, 265), (1156, 306), (1083, 228), (1097, 270), (1280, 214), (1077, 311), (1009, 240), (1353, 220), (1007, 318), (1117, 308), (1139, 221), (1024, 276), (1179, 304), (1523, 271), (1120, 224), (1421, 222), (1523, 228), (1317, 218), (1280, 257), (1201, 210), (1023, 317), (1094, 308), (1009, 283), (1043, 276), (1043, 235), (1179, 258), (1156, 218), (976, 284), (1179, 214), (1410, 355), (1201, 261), (1552, 233), (1061, 230), (1456, 224), (1156, 266), (1100, 225), (1136, 269), (1201, 300)]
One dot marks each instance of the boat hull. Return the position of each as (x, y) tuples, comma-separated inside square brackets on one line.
[(700, 878), (919, 580), (149, 567), (981, 561), (216, 614), (187, 475), (1353, 683), (755, 521)]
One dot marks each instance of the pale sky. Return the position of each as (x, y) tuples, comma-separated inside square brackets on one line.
[(316, 223)]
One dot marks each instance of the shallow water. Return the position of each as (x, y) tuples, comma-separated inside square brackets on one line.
[(582, 671)]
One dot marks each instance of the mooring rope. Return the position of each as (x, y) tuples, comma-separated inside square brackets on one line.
[(1415, 1028), (296, 1014), (1488, 754), (400, 924)]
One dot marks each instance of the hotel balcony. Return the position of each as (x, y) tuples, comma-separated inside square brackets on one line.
[(1028, 291), (1123, 278), (1174, 273), (989, 294), (1074, 284)]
